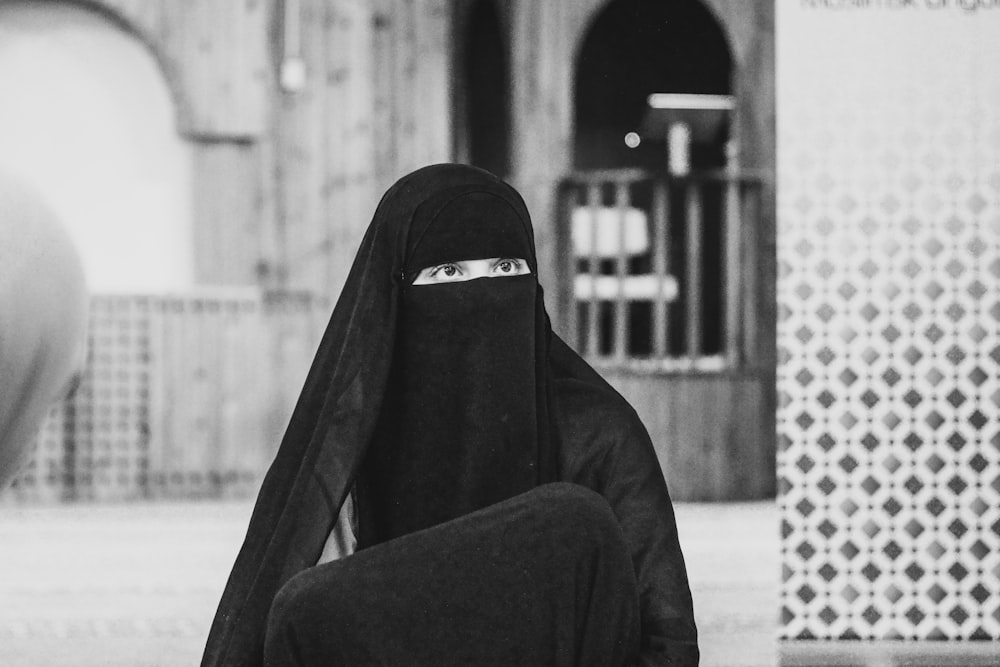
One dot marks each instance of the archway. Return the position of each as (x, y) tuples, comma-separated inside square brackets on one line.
[(635, 48), (89, 122), (483, 92)]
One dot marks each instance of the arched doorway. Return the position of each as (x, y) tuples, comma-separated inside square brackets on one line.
[(87, 119), (662, 254), (633, 49), (482, 90)]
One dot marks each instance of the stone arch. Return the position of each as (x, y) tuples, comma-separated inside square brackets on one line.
[(135, 27), (592, 9), (91, 125)]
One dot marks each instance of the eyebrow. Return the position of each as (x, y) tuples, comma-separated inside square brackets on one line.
[(495, 260)]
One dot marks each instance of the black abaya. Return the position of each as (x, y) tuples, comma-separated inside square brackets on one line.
[(570, 426), (543, 578)]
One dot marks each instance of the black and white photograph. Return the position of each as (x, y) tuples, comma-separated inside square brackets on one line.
[(500, 332)]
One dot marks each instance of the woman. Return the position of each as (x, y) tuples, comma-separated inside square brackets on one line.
[(441, 408)]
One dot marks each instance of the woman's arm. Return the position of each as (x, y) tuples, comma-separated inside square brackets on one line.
[(606, 448)]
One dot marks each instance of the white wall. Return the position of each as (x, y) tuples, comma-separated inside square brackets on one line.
[(86, 118)]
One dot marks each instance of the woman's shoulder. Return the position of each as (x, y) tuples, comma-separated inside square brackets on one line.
[(582, 402), (579, 391), (596, 426)]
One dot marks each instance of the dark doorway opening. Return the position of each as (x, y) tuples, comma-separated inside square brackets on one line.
[(635, 48), (483, 92)]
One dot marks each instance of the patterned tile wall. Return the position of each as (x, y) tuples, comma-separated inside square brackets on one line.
[(889, 320)]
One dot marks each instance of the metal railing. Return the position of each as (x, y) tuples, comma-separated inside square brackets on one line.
[(660, 268)]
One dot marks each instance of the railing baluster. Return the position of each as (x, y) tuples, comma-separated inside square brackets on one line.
[(593, 314), (568, 202), (607, 298), (621, 305), (661, 198), (693, 287), (730, 320)]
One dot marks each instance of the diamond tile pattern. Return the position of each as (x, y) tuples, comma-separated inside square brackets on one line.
[(889, 324)]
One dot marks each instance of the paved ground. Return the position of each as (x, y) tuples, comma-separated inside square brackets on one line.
[(137, 585), (89, 585)]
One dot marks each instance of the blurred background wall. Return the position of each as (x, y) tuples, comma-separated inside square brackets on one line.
[(218, 163), (89, 119)]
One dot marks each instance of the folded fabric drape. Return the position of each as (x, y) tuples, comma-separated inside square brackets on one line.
[(544, 578)]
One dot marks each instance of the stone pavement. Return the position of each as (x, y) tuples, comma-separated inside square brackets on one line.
[(136, 585)]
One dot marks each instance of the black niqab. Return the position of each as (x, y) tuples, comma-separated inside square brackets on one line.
[(459, 428)]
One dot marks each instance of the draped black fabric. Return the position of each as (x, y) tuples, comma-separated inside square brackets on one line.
[(459, 428), (563, 422), (470, 222), (544, 578)]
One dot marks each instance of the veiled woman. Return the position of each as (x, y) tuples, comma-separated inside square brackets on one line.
[(456, 486)]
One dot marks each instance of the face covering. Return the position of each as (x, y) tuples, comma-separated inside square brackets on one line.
[(458, 430)]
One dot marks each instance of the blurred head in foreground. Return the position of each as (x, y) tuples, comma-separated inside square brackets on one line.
[(43, 311)]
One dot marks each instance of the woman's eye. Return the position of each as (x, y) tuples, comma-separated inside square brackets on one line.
[(469, 269), (507, 266), (446, 271)]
